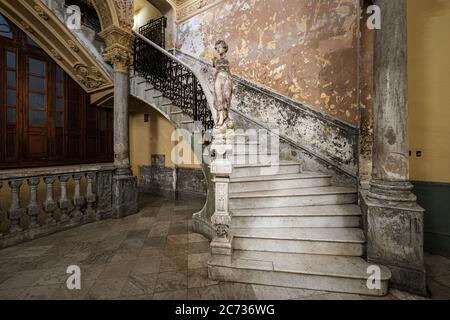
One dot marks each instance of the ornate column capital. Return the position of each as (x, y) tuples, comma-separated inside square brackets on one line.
[(119, 48)]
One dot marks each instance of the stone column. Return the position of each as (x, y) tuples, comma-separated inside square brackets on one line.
[(119, 54), (394, 220)]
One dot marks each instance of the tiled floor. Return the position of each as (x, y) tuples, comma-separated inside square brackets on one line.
[(151, 255)]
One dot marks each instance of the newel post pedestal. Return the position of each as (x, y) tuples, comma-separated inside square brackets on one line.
[(221, 168)]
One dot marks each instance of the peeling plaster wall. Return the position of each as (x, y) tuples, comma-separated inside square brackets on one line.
[(323, 143), (303, 49)]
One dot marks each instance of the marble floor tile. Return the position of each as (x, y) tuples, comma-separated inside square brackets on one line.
[(117, 270), (175, 263), (155, 241), (178, 239), (171, 295), (198, 278), (171, 281), (278, 293), (147, 265), (198, 260), (38, 293), (11, 294), (199, 247), (52, 277), (139, 285), (205, 293), (22, 279), (438, 291), (106, 289), (237, 291)]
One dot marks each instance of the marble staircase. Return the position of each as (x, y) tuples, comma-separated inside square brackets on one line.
[(293, 228), (290, 227)]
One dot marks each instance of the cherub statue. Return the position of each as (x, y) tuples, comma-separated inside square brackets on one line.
[(223, 87)]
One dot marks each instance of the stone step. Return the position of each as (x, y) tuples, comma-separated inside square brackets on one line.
[(245, 149), (240, 171), (326, 241), (280, 181), (293, 197), (338, 216), (254, 159), (314, 272)]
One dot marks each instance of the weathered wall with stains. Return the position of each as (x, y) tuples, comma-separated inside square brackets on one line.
[(302, 49), (320, 141)]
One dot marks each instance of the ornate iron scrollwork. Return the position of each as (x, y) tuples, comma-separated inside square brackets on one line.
[(176, 81)]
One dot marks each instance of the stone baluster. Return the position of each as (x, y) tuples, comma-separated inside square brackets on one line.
[(221, 169), (50, 204), (91, 198), (33, 207), (64, 202), (78, 199), (16, 211)]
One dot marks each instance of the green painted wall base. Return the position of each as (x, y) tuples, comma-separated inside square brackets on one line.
[(435, 198)]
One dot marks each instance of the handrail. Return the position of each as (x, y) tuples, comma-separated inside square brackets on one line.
[(11, 174), (176, 79), (171, 56)]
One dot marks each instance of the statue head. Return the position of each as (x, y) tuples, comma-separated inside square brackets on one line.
[(221, 47)]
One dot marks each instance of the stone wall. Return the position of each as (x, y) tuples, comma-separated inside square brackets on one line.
[(302, 49), (171, 182)]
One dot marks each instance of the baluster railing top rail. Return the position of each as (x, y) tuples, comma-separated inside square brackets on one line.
[(12, 174), (175, 79)]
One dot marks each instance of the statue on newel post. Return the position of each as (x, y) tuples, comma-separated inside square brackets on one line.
[(222, 146)]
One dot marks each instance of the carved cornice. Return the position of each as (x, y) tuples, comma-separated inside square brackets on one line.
[(41, 24), (186, 9)]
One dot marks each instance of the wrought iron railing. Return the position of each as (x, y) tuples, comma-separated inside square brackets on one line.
[(155, 31), (173, 78)]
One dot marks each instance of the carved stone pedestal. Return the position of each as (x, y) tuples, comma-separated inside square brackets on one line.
[(222, 168), (395, 239), (125, 195)]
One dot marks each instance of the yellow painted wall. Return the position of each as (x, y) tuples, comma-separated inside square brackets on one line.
[(429, 89), (153, 138), (143, 12)]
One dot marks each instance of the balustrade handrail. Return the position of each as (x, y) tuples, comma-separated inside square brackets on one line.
[(171, 56), (72, 196), (194, 101), (10, 174)]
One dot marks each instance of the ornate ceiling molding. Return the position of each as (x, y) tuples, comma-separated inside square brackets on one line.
[(40, 24)]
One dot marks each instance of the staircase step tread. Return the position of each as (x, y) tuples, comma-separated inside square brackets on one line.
[(348, 235), (293, 176), (307, 211), (282, 163), (331, 190), (318, 265)]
